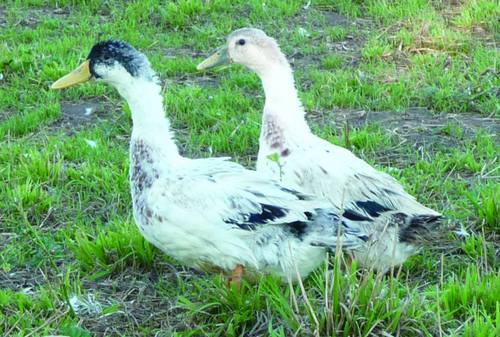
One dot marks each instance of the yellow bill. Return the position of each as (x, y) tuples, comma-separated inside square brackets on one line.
[(79, 75), (218, 58)]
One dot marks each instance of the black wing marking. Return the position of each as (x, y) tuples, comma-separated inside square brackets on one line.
[(270, 213), (297, 194), (266, 213), (372, 208), (354, 216)]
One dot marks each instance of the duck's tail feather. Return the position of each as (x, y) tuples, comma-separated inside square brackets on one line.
[(418, 227)]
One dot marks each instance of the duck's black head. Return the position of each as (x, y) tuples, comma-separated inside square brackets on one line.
[(111, 52), (112, 61)]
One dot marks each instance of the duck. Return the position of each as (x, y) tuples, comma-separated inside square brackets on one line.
[(289, 151), (211, 214)]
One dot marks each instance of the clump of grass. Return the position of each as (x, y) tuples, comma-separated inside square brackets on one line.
[(336, 33), (29, 311), (482, 325), (337, 302), (453, 130), (479, 13), (215, 302), (32, 198), (179, 14), (332, 62), (486, 204), (431, 34), (368, 138), (350, 8), (471, 290), (19, 125), (113, 249), (389, 11), (375, 49)]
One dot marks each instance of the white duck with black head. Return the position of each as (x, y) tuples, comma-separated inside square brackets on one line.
[(210, 213), (396, 221)]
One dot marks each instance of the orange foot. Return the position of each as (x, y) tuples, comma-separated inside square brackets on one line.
[(235, 278)]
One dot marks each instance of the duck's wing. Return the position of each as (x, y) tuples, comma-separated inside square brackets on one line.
[(361, 191), (363, 188), (246, 200)]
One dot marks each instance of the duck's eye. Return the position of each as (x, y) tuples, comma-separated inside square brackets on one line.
[(241, 42)]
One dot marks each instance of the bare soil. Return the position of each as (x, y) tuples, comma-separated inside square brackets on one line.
[(24, 280), (138, 304), (414, 126), (3, 21), (76, 116)]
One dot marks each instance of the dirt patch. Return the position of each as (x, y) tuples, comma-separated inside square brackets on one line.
[(120, 304), (138, 303), (5, 236), (415, 118), (5, 114), (3, 20), (417, 127), (336, 19), (33, 16), (25, 280), (78, 115), (348, 48)]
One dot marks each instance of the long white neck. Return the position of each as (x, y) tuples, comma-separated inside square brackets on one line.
[(282, 100), (148, 116)]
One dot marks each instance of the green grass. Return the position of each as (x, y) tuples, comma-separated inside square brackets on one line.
[(423, 74)]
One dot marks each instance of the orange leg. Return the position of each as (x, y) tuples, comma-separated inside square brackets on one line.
[(235, 278)]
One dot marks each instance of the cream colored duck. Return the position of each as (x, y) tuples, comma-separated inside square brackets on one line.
[(316, 166), (210, 213)]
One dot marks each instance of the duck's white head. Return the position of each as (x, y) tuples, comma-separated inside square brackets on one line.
[(113, 62), (250, 47)]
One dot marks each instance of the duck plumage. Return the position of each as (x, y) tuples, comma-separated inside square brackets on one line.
[(211, 212), (393, 220)]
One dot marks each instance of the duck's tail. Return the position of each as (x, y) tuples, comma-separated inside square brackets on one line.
[(418, 227), (393, 238)]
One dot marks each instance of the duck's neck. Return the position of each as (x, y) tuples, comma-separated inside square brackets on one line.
[(150, 125), (282, 101)]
